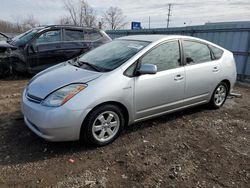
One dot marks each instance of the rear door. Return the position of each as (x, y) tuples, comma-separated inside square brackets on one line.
[(202, 72), (155, 94), (73, 43)]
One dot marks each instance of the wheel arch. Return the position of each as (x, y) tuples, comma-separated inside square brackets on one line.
[(227, 82)]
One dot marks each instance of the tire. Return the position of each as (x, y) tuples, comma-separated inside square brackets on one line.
[(219, 96), (5, 70), (103, 125), (1, 71)]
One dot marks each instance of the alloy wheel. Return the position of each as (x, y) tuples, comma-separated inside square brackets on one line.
[(220, 95), (106, 126)]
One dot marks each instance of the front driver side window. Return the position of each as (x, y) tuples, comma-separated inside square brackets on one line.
[(49, 37), (165, 57)]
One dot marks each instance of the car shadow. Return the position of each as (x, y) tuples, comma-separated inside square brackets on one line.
[(166, 118), (19, 145), (17, 77)]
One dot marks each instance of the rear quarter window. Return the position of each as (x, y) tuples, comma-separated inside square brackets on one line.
[(216, 52)]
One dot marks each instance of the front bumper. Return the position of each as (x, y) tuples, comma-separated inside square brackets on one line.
[(52, 124)]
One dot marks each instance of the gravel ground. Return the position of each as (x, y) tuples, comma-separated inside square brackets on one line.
[(197, 147)]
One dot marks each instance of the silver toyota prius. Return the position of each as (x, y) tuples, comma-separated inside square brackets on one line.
[(125, 81)]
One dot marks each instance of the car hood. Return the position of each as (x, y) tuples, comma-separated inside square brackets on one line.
[(4, 44), (58, 76)]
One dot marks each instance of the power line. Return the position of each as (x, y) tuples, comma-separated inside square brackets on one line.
[(169, 14)]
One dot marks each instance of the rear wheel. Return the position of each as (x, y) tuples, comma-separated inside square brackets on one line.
[(219, 96), (103, 125)]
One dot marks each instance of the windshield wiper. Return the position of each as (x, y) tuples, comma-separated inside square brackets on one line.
[(96, 68)]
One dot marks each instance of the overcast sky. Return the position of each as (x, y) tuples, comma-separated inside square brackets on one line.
[(192, 12)]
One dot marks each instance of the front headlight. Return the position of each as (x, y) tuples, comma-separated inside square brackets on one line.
[(61, 96)]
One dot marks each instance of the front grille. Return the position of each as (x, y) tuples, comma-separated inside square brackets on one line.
[(33, 98)]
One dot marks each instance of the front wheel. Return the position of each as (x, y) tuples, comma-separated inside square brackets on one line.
[(219, 96), (5, 69), (103, 125)]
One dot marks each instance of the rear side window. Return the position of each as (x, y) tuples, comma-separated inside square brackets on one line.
[(196, 52), (217, 52), (92, 35), (73, 35)]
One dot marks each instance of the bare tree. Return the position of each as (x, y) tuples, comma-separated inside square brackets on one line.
[(65, 21), (29, 22), (19, 25), (8, 27), (114, 18), (81, 13)]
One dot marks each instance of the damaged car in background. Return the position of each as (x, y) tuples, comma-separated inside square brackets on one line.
[(42, 47)]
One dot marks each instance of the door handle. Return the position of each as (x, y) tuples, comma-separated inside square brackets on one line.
[(178, 77), (215, 69)]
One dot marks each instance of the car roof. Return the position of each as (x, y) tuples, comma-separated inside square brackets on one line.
[(159, 38), (154, 38), (64, 27)]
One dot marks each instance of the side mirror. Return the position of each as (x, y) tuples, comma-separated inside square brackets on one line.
[(147, 69)]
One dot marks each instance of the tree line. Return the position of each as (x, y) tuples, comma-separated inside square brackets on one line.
[(19, 26), (80, 13)]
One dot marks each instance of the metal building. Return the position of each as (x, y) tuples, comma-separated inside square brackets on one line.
[(234, 36)]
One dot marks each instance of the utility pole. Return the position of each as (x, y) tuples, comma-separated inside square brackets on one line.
[(149, 22), (169, 14)]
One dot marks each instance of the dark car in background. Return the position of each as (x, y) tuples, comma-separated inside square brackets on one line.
[(42, 47)]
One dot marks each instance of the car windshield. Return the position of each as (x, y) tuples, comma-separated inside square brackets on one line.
[(24, 37), (111, 55)]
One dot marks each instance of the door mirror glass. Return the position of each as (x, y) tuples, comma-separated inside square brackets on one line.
[(147, 69)]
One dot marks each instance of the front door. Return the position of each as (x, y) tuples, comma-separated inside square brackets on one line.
[(45, 50), (164, 91)]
